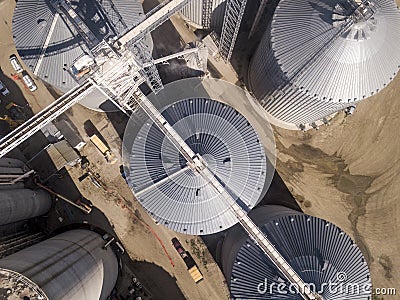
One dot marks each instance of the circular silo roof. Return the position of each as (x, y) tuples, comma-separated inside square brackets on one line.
[(49, 45), (330, 58), (176, 195), (15, 284), (322, 254)]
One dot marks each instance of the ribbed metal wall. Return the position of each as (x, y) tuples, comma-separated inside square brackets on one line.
[(307, 67), (22, 204), (71, 265), (193, 12), (318, 251), (177, 196)]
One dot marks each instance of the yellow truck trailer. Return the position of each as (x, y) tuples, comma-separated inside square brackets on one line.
[(196, 274), (189, 261), (103, 148)]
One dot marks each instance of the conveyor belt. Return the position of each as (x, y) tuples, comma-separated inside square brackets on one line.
[(44, 117), (33, 125), (196, 162), (152, 21)]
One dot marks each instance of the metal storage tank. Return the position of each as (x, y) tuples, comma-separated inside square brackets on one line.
[(71, 265), (319, 252), (11, 170), (6, 162), (22, 204), (318, 57), (205, 14), (234, 146), (9, 166), (49, 46)]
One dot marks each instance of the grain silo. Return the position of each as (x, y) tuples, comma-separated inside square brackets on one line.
[(22, 204), (18, 203), (11, 166), (238, 148), (49, 43), (71, 265), (322, 254), (205, 14), (318, 57)]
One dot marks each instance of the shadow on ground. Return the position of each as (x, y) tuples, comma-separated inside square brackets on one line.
[(163, 285), (277, 194), (245, 47)]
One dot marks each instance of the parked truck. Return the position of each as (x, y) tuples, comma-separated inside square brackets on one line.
[(103, 149), (190, 263), (196, 274)]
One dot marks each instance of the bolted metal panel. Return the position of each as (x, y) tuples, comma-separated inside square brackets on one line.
[(22, 204), (176, 195), (311, 65), (317, 250), (205, 14), (71, 265)]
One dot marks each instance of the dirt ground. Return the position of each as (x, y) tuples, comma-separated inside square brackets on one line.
[(346, 173), (130, 223), (164, 278)]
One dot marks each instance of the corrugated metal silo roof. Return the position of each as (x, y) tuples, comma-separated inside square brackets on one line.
[(328, 62), (319, 252), (179, 197), (32, 27)]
